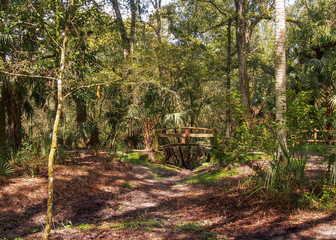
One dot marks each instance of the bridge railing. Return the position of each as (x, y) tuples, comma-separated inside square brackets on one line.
[(316, 136), (183, 133)]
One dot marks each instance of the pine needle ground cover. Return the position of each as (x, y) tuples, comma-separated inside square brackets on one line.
[(100, 197)]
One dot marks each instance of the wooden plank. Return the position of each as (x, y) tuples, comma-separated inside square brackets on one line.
[(185, 144), (193, 135), (312, 140), (198, 128), (201, 135), (171, 135), (317, 130), (194, 128)]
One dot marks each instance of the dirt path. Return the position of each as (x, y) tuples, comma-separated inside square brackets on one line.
[(100, 198)]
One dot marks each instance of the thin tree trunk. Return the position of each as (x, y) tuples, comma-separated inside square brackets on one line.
[(157, 6), (280, 67), (228, 82), (133, 21), (2, 119), (3, 137), (53, 148)]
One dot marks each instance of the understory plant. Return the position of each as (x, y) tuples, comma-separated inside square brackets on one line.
[(5, 168), (286, 177), (27, 158)]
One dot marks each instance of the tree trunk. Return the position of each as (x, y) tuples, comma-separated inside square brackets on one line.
[(14, 103), (241, 44), (2, 119), (280, 67), (157, 6), (133, 21), (3, 137), (121, 27), (53, 147), (148, 132), (228, 82)]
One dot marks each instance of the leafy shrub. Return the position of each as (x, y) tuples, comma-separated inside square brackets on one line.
[(324, 200), (302, 115), (287, 171), (27, 157)]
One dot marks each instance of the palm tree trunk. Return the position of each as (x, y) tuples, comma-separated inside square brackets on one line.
[(280, 67)]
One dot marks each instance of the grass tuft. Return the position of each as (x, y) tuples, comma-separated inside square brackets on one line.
[(211, 177), (143, 223), (192, 226)]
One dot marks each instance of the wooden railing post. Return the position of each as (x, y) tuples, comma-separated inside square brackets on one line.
[(315, 136), (156, 141), (186, 135)]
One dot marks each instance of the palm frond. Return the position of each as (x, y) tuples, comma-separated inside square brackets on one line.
[(5, 39), (5, 169), (174, 119)]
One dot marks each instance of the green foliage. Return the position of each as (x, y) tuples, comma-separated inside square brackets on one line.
[(323, 200), (194, 226), (84, 226), (27, 157), (249, 134), (68, 224), (302, 115), (160, 158), (331, 161), (5, 169), (224, 158), (133, 157), (140, 224), (127, 185), (287, 171), (212, 177), (63, 155)]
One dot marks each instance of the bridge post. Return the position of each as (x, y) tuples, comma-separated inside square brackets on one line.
[(156, 141), (185, 138)]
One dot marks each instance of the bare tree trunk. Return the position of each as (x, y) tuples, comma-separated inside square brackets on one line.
[(280, 67), (14, 103), (54, 141), (2, 119), (228, 82), (157, 7), (53, 147), (133, 21), (121, 26), (241, 42), (3, 137)]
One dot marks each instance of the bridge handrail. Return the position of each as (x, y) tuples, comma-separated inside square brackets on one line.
[(184, 136), (193, 128)]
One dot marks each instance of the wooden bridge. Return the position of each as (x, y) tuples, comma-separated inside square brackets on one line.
[(179, 149), (183, 134)]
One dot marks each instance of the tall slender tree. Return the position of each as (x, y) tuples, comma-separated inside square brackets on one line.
[(280, 67), (60, 80)]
